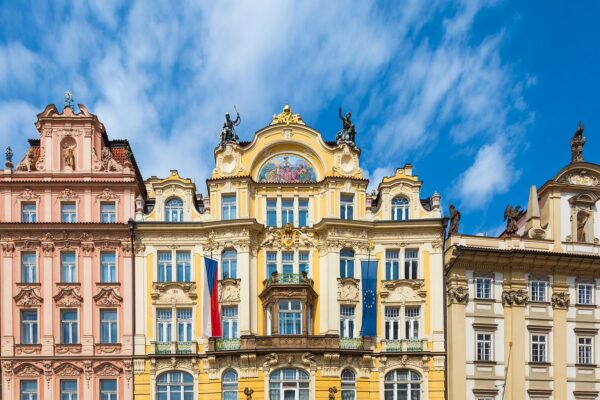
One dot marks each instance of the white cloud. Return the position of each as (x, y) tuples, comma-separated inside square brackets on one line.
[(17, 120)]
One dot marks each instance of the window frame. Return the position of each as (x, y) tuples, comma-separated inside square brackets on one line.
[(181, 386), (271, 213), (290, 315), (588, 349), (536, 355), (412, 265), (69, 271), (412, 323), (28, 269), (184, 324), (483, 342), (228, 207), (32, 326), (347, 261), (73, 325), (69, 394), (174, 212), (392, 328), (347, 384), (26, 215), (229, 386), (108, 268), (400, 211), (108, 394), (535, 292), (393, 261), (164, 326), (30, 394), (347, 321), (67, 216), (411, 385), (347, 206), (592, 289), (229, 263), (230, 322), (112, 326), (108, 217), (481, 291)]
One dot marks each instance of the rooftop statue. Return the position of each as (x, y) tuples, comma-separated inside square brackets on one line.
[(228, 131), (68, 99), (511, 216), (348, 132), (454, 220), (9, 155), (287, 117), (577, 143), (28, 162)]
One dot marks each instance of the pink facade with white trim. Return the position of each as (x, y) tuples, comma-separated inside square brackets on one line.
[(66, 297)]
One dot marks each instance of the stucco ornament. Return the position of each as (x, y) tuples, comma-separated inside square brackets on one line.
[(458, 294), (108, 297), (348, 290), (68, 194), (517, 297), (67, 369), (108, 162), (403, 291), (28, 370), (229, 291), (28, 195), (560, 300), (29, 161), (107, 369), (287, 117), (68, 296), (28, 297), (107, 195)]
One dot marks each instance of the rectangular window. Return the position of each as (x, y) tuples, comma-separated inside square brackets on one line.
[(108, 213), (228, 207), (184, 271), (347, 321), (392, 264), (271, 263), (303, 262), (164, 320), (538, 291), (69, 326), (346, 263), (108, 389), (229, 261), (29, 327), (68, 213), (28, 268), (184, 325), (411, 264), (287, 262), (230, 322), (29, 390), (271, 213), (484, 346), (538, 348), (68, 267), (68, 389), (108, 267), (483, 288), (303, 212), (392, 323), (108, 326), (412, 317), (290, 317), (585, 293), (165, 266), (28, 212), (585, 350), (347, 206), (287, 211)]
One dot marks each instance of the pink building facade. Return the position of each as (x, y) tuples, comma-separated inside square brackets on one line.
[(66, 298)]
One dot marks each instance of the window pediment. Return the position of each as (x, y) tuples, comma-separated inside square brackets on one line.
[(68, 295), (167, 293)]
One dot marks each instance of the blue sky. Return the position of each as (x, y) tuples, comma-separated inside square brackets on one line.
[(481, 97)]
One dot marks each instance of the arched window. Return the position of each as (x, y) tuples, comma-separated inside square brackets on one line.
[(289, 384), (402, 384), (348, 384), (347, 263), (175, 385), (174, 210), (229, 385), (229, 262), (399, 208)]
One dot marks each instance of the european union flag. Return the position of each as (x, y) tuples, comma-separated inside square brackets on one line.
[(369, 298)]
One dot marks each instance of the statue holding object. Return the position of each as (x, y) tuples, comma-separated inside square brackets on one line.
[(577, 143), (454, 220), (348, 132), (228, 131)]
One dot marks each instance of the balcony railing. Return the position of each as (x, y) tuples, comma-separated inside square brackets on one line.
[(227, 344), (288, 279), (351, 343), (174, 347), (404, 345)]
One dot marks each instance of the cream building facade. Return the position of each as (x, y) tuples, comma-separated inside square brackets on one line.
[(289, 218), (523, 313)]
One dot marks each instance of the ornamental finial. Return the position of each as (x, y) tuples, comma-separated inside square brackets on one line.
[(68, 99)]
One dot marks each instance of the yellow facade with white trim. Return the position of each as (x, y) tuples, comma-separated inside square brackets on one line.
[(259, 181)]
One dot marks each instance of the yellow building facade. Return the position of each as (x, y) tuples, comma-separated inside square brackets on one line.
[(290, 220)]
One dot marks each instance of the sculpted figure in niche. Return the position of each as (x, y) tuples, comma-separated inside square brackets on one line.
[(582, 219), (69, 156)]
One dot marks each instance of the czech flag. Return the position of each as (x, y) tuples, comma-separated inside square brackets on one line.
[(211, 318)]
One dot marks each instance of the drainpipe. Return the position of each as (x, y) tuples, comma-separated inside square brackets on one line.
[(444, 225)]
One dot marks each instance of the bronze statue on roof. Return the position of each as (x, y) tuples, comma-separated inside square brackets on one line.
[(228, 131), (348, 132), (512, 216), (577, 143), (454, 220)]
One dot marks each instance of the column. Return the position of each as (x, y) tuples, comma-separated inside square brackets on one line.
[(47, 279), (458, 295), (8, 279), (514, 300), (127, 294), (244, 311), (560, 305), (87, 292)]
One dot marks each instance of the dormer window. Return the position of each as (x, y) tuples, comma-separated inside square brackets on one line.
[(174, 210), (400, 207)]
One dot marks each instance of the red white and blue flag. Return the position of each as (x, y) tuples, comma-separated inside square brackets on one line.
[(211, 324)]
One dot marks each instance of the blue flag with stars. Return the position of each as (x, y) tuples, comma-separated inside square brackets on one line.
[(369, 298)]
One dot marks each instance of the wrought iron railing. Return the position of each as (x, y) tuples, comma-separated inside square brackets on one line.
[(227, 344), (404, 345), (351, 343), (288, 279), (185, 347), (174, 347), (162, 348)]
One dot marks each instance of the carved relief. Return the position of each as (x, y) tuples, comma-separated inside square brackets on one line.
[(28, 163), (560, 300), (108, 297), (288, 237), (8, 249), (107, 369), (68, 296), (67, 369), (106, 348), (28, 296), (402, 291), (107, 195), (348, 290), (7, 369), (68, 348), (27, 370), (68, 194), (229, 291), (28, 195), (458, 294), (516, 297), (174, 292)]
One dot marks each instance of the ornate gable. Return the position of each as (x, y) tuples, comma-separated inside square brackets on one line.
[(107, 369), (67, 369), (68, 296), (28, 370), (28, 297)]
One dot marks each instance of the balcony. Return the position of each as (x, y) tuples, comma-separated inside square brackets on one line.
[(288, 279), (227, 344), (403, 345), (181, 348), (276, 343), (351, 343)]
